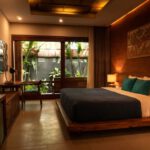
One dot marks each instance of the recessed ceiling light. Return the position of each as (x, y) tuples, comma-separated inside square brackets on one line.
[(19, 18), (61, 20)]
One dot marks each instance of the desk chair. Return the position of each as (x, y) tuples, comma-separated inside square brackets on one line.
[(33, 93)]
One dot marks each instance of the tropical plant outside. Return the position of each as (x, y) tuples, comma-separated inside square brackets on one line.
[(30, 53), (47, 67), (76, 59)]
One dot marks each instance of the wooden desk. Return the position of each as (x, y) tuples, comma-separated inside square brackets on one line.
[(30, 83), (24, 94), (31, 94), (10, 86)]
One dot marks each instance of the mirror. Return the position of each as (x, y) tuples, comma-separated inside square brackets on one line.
[(3, 56)]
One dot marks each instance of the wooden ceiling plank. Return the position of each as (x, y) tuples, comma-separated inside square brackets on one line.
[(72, 7)]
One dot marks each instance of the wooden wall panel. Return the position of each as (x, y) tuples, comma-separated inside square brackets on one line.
[(120, 62)]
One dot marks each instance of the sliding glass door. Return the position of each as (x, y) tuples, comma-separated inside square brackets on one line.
[(57, 62)]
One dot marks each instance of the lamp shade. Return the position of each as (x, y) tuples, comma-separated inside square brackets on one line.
[(111, 78)]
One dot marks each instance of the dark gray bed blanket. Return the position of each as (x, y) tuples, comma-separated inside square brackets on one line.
[(86, 105)]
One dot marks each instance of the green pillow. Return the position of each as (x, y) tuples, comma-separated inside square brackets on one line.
[(141, 87), (128, 84)]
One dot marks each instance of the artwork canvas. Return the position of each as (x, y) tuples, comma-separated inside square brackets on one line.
[(138, 42)]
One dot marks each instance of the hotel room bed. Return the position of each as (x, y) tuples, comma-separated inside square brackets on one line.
[(86, 105), (103, 109)]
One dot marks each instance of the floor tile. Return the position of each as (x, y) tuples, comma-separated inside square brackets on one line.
[(36, 129)]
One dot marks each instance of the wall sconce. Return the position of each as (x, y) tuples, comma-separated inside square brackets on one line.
[(111, 79), (12, 70)]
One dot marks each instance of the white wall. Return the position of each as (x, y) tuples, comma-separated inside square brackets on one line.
[(49, 30), (5, 35)]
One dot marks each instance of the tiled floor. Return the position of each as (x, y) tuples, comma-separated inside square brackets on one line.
[(36, 129)]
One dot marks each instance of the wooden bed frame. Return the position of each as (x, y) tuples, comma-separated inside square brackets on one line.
[(101, 125)]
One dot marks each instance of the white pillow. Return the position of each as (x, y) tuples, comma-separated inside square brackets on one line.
[(146, 78), (133, 77)]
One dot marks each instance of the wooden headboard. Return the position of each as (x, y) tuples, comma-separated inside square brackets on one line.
[(121, 76)]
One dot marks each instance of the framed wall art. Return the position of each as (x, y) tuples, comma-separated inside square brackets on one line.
[(138, 42)]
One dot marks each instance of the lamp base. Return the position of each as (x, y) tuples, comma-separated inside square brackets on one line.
[(111, 85), (114, 84)]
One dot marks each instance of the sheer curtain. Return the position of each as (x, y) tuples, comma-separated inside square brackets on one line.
[(90, 76)]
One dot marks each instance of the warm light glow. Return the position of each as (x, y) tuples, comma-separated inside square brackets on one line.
[(111, 78), (19, 18), (119, 68), (100, 5), (32, 1), (119, 65), (71, 10), (65, 13), (66, 10), (61, 20), (132, 11)]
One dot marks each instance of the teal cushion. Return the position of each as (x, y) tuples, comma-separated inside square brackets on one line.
[(128, 84), (141, 87)]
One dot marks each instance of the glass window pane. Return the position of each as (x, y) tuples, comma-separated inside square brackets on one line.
[(76, 59), (41, 61)]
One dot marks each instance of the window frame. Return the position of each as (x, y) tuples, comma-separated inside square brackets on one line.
[(61, 39)]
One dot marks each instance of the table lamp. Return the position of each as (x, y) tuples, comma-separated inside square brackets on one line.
[(111, 79)]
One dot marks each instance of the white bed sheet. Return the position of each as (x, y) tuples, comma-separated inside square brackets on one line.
[(144, 99)]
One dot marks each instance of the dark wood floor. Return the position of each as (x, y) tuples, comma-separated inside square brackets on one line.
[(36, 129)]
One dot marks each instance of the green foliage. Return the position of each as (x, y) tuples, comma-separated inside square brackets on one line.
[(78, 74), (79, 48), (69, 55), (76, 64), (30, 52), (67, 73), (44, 86), (68, 52), (30, 88), (55, 73)]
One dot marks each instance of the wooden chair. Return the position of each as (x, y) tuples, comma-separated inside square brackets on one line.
[(34, 93)]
